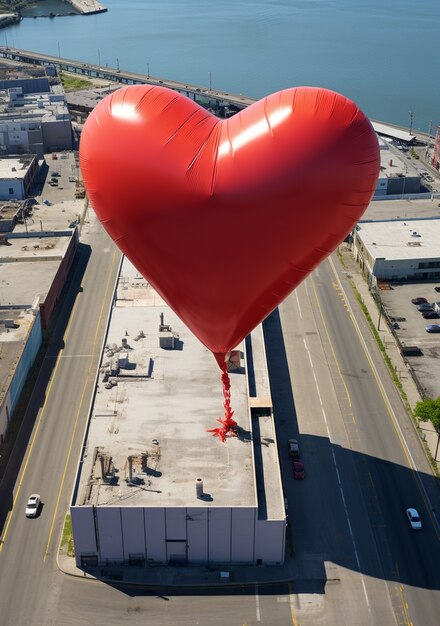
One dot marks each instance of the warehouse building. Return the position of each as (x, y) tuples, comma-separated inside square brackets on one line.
[(17, 177), (34, 118), (398, 250), (396, 177), (33, 271), (153, 486)]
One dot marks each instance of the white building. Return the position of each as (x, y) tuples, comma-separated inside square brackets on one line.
[(17, 175), (399, 250), (34, 118), (136, 495)]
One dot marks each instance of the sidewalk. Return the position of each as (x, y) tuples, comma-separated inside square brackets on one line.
[(387, 339), (166, 577)]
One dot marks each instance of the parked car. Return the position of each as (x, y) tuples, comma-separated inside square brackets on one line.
[(298, 469), (32, 505), (293, 448), (437, 289), (432, 328), (430, 315), (419, 300), (425, 307), (414, 519)]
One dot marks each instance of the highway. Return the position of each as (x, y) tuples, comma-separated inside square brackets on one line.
[(124, 77), (356, 559), (353, 424)]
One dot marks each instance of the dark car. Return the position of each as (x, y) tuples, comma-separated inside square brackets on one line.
[(293, 448), (437, 289), (432, 328), (298, 469), (430, 315), (419, 300), (425, 306)]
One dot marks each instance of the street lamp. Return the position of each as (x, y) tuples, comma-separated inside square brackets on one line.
[(148, 70), (210, 81), (117, 64), (99, 58), (59, 53), (411, 115)]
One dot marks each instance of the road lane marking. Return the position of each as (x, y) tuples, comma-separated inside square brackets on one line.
[(86, 381), (391, 414), (292, 610), (257, 602), (37, 427), (341, 489), (330, 343), (297, 302)]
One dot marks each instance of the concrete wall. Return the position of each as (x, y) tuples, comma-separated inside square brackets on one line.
[(57, 135), (12, 395), (27, 359), (16, 184), (162, 535)]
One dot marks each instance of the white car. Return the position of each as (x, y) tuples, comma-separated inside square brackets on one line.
[(33, 505), (414, 519)]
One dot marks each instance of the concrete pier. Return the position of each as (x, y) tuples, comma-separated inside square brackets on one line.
[(88, 7)]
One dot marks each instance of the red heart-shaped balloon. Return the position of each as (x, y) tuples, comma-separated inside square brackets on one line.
[(226, 217)]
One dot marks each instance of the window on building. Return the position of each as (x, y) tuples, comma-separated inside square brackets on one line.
[(11, 190)]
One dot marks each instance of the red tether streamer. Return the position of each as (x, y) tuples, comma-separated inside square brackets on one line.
[(228, 425)]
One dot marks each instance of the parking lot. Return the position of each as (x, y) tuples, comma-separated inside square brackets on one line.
[(411, 332)]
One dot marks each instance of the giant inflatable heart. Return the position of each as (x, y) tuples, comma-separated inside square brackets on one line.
[(226, 217)]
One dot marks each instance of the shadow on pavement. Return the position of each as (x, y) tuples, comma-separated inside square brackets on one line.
[(42, 371)]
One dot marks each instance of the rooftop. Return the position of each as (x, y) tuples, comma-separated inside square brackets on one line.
[(14, 167), (158, 413), (14, 327), (402, 239)]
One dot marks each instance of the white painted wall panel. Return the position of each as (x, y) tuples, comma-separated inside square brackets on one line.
[(197, 530), (133, 531), (155, 534), (83, 528), (175, 523), (110, 533), (243, 534), (270, 541), (219, 538)]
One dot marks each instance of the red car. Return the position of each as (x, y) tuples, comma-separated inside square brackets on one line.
[(298, 469)]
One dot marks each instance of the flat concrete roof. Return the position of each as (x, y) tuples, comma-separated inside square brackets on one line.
[(137, 417), (12, 342), (402, 209), (21, 283), (22, 248), (15, 167), (392, 131), (159, 413), (395, 240)]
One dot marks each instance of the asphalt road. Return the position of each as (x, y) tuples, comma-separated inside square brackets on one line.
[(357, 561), (350, 510)]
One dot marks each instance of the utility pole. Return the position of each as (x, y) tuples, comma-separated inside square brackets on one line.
[(99, 58), (148, 70), (411, 115), (117, 64), (59, 53), (210, 81)]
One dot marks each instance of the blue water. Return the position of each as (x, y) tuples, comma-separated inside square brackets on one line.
[(382, 54)]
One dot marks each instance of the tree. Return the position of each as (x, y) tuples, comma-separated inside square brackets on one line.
[(429, 410)]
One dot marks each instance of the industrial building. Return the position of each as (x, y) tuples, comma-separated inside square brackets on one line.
[(33, 271), (396, 177), (153, 486), (34, 118), (17, 176), (398, 250)]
